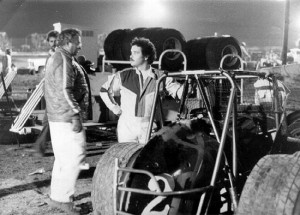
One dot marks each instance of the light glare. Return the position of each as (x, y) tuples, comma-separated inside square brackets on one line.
[(152, 10)]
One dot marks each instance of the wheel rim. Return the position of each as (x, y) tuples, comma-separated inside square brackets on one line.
[(172, 43), (295, 132), (229, 49)]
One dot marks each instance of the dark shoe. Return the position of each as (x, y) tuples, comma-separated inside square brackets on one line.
[(67, 207)]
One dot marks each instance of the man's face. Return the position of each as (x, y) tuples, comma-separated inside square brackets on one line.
[(75, 46), (136, 58), (52, 42)]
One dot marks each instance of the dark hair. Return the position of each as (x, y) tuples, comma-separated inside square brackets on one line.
[(8, 51), (52, 33), (148, 49), (81, 59), (68, 35)]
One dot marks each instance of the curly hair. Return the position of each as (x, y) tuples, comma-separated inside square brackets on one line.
[(68, 35), (148, 48), (52, 33)]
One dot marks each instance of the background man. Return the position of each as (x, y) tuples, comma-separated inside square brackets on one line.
[(136, 87), (66, 95)]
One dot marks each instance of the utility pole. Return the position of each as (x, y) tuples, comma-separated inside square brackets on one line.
[(286, 32)]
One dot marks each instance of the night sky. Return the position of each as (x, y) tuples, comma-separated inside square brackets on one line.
[(259, 23)]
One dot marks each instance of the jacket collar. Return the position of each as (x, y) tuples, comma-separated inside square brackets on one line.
[(65, 52), (150, 72)]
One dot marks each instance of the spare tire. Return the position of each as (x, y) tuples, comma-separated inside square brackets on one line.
[(113, 47), (162, 39), (170, 39), (111, 44), (196, 53), (217, 48)]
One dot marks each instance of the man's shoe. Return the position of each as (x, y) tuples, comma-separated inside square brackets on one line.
[(67, 207)]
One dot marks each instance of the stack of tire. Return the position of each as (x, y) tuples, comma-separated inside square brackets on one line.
[(117, 45), (206, 53)]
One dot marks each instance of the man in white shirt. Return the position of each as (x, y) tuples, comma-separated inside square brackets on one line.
[(136, 86)]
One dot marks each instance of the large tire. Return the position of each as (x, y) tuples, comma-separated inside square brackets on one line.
[(294, 129), (196, 53), (113, 47), (102, 187), (293, 117), (109, 44), (273, 187), (217, 48), (170, 39), (162, 39)]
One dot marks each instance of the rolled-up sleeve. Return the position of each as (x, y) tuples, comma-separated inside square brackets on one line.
[(174, 88), (107, 91)]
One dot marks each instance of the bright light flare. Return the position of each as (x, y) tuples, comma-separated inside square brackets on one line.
[(153, 10)]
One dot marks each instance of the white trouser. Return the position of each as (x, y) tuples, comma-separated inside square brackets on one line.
[(132, 129), (69, 153)]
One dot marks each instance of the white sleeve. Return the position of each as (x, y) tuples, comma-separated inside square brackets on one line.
[(107, 93), (174, 88)]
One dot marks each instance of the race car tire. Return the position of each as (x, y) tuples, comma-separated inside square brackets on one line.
[(102, 185), (217, 48), (293, 117), (196, 53), (162, 39), (272, 187)]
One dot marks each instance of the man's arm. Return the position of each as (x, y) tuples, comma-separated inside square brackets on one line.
[(68, 77), (107, 93), (174, 88)]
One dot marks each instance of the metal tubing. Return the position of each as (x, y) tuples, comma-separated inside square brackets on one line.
[(154, 105), (222, 141), (234, 143), (225, 129), (28, 108), (142, 172), (174, 193), (231, 55), (7, 81), (203, 95), (172, 50), (276, 102)]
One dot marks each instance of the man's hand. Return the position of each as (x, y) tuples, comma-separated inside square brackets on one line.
[(77, 125)]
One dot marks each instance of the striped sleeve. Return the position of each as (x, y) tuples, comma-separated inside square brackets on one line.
[(68, 85)]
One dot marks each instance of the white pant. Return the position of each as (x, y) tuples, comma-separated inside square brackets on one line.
[(69, 153), (132, 129)]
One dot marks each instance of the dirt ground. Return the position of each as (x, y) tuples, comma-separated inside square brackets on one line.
[(25, 193), (22, 192)]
